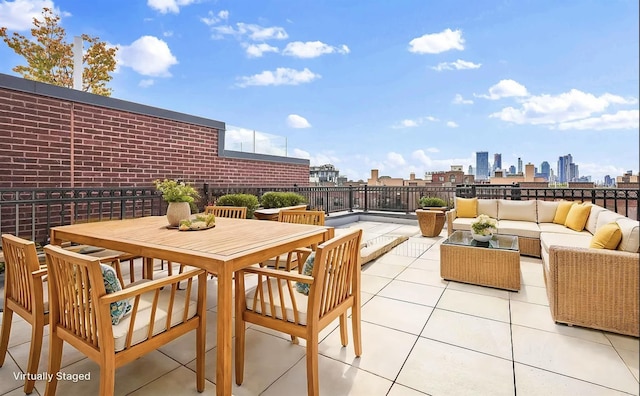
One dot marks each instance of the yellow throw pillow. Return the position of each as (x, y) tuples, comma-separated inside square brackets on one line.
[(467, 207), (607, 237), (562, 211), (577, 216)]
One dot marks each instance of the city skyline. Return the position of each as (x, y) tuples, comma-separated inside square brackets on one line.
[(529, 80)]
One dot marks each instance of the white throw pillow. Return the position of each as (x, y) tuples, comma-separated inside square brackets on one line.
[(546, 211), (517, 210)]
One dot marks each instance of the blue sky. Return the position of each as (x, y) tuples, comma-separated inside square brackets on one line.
[(400, 86)]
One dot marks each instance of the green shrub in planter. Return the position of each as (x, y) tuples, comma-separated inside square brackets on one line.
[(247, 200), (281, 199), (432, 202)]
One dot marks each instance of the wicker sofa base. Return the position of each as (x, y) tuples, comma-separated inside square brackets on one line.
[(589, 290), (529, 246)]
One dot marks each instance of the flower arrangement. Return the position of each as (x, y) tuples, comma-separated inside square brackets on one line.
[(173, 191), (484, 225)]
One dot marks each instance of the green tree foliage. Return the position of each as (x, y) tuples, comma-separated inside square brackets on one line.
[(50, 59)]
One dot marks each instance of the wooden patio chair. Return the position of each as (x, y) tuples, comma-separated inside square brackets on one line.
[(97, 324), (333, 287), (299, 216), (234, 212), (25, 294)]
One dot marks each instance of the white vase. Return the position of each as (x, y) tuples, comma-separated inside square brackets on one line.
[(177, 211), (481, 238)]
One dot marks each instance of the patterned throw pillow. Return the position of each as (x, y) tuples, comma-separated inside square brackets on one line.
[(111, 285), (306, 270)]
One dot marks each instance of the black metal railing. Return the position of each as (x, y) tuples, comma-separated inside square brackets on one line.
[(31, 213)]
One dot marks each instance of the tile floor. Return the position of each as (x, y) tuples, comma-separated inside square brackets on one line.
[(421, 335)]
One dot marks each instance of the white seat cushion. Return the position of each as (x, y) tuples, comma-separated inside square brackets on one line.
[(301, 301), (580, 240), (462, 223), (561, 229), (141, 326), (520, 228)]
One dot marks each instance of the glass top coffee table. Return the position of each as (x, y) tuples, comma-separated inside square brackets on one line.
[(495, 263)]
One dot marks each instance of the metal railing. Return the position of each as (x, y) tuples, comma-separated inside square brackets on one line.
[(30, 213)]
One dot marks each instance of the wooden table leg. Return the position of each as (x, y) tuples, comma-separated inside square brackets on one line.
[(225, 325), (147, 269)]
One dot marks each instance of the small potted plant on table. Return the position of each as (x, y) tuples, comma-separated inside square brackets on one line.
[(179, 195)]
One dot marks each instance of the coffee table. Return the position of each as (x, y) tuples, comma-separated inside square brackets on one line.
[(494, 264)]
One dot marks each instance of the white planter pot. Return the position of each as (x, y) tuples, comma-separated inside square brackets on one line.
[(482, 238), (177, 211)]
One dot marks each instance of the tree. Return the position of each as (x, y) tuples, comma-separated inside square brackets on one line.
[(50, 59)]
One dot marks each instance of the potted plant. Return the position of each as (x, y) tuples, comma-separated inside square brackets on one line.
[(431, 220), (483, 227), (180, 196), (432, 202)]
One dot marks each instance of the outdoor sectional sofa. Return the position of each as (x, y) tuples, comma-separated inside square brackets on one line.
[(586, 286)]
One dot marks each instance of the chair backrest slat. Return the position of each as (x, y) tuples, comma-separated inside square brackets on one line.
[(21, 260), (334, 270), (314, 217), (234, 212)]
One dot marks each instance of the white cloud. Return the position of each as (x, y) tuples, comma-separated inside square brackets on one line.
[(251, 31), (165, 6), (257, 50), (312, 49), (19, 14), (214, 18), (452, 124), (168, 33), (505, 89), (410, 123), (146, 83), (458, 99), (394, 159), (281, 76), (439, 164), (623, 119), (436, 43), (318, 159), (148, 56), (296, 121), (457, 65), (569, 106)]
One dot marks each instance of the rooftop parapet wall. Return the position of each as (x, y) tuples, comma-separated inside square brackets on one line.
[(57, 137)]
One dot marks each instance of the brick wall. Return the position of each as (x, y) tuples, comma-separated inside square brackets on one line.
[(57, 137)]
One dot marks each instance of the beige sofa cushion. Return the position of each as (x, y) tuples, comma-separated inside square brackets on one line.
[(462, 223), (546, 211), (488, 207), (606, 217), (526, 229), (560, 229), (630, 235), (580, 240), (593, 216), (517, 210)]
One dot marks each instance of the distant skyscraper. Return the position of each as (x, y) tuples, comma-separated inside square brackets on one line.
[(519, 165), (497, 161), (482, 165), (545, 169), (471, 170), (512, 170), (567, 170)]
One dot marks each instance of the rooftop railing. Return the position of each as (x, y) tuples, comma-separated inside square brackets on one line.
[(30, 213)]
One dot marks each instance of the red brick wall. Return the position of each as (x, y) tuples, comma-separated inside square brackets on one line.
[(117, 148)]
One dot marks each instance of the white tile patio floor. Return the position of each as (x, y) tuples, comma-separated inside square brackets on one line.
[(421, 335)]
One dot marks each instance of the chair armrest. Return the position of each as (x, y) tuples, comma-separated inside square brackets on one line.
[(279, 274), (42, 272), (152, 285)]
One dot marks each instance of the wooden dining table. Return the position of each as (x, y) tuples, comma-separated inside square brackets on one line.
[(231, 245)]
